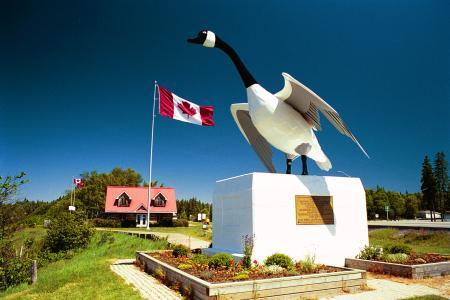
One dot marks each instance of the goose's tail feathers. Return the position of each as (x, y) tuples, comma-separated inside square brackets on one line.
[(324, 165)]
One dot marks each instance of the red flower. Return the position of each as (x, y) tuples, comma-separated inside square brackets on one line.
[(255, 262), (240, 262), (232, 262)]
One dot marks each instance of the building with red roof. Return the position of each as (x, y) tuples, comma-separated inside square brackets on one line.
[(130, 203)]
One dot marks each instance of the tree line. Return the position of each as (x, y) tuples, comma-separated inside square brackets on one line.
[(189, 209), (389, 204), (434, 195), (89, 200)]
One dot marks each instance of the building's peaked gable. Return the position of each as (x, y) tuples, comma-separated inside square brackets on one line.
[(140, 207)]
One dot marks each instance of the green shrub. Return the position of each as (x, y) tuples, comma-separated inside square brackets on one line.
[(165, 223), (200, 259), (370, 253), (397, 248), (68, 231), (30, 222), (241, 276), (279, 259), (396, 257), (220, 259), (13, 269), (46, 257), (180, 250), (16, 271), (128, 223), (106, 223), (180, 223), (184, 266)]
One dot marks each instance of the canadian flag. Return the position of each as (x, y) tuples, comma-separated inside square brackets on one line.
[(172, 106), (79, 182)]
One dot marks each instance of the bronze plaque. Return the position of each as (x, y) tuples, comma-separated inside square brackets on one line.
[(314, 210)]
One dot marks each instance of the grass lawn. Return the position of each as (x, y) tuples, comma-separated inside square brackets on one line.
[(87, 275), (420, 241), (19, 237), (194, 230)]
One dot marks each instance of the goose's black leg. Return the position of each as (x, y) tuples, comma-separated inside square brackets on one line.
[(304, 165), (288, 165)]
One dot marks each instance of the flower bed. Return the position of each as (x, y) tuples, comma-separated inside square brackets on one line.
[(236, 271), (418, 271), (400, 260), (223, 283)]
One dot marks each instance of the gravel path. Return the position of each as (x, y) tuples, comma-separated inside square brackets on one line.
[(148, 287)]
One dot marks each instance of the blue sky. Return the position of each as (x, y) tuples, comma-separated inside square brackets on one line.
[(76, 86)]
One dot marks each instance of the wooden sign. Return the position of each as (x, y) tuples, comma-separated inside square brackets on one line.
[(314, 210)]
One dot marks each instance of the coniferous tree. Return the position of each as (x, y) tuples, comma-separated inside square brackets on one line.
[(428, 187), (441, 179)]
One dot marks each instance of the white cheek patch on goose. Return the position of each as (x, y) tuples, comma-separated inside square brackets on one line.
[(210, 40)]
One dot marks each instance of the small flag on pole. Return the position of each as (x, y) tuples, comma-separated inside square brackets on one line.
[(79, 182), (172, 106)]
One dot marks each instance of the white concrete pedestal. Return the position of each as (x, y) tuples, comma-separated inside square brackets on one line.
[(263, 205)]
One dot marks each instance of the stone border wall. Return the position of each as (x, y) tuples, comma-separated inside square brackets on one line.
[(410, 271), (294, 287)]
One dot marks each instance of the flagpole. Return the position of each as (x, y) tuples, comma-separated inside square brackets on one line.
[(72, 194), (151, 157)]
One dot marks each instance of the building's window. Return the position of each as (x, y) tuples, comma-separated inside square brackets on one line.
[(123, 200), (159, 201)]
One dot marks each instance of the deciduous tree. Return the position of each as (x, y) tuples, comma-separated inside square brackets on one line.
[(8, 189)]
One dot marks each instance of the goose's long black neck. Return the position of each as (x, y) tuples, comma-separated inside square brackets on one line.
[(247, 78)]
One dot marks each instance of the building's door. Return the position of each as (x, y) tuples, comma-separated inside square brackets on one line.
[(141, 220)]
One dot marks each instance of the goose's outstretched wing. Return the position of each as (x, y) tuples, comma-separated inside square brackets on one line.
[(307, 103), (254, 138)]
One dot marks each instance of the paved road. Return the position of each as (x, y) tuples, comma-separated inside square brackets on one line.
[(410, 224), (173, 238)]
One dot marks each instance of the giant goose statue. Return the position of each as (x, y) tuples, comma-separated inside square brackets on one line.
[(285, 120)]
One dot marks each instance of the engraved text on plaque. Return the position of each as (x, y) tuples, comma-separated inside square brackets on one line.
[(314, 210)]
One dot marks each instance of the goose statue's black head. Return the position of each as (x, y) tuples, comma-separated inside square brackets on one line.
[(205, 37), (209, 39)]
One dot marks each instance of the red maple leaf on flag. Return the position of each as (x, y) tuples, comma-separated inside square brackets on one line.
[(186, 108)]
